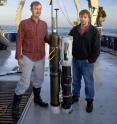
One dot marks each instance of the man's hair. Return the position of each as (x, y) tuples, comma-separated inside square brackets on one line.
[(35, 3), (101, 8), (85, 11)]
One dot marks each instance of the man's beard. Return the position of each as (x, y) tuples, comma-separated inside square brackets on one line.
[(36, 15)]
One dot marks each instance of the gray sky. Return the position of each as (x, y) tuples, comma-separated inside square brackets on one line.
[(8, 12)]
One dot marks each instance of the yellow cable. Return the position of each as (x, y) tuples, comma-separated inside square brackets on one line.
[(52, 52)]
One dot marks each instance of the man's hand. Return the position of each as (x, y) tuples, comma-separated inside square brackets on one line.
[(87, 61), (20, 62)]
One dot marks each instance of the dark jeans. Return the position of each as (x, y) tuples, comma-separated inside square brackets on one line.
[(83, 68)]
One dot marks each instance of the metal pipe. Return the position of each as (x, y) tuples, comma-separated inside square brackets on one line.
[(56, 19), (51, 3), (54, 71)]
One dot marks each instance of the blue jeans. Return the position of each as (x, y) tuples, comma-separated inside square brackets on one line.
[(83, 68)]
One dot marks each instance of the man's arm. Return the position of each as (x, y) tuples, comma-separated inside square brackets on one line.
[(95, 47), (71, 33), (19, 41), (46, 39)]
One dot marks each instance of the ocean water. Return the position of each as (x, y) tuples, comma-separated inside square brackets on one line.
[(61, 30)]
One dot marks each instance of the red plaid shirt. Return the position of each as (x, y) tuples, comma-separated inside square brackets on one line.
[(31, 39)]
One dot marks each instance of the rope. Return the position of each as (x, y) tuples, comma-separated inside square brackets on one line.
[(66, 17), (66, 12)]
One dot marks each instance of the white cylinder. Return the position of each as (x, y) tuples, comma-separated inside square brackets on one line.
[(66, 50), (55, 110)]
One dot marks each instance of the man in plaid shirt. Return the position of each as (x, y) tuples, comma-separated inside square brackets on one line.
[(30, 53)]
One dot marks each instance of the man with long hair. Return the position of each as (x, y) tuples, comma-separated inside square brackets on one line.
[(86, 49)]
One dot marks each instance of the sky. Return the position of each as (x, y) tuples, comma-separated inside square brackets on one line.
[(8, 12)]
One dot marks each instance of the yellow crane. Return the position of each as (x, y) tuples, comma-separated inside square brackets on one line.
[(19, 12), (93, 6)]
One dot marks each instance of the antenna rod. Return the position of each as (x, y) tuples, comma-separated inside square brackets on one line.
[(51, 3), (56, 19)]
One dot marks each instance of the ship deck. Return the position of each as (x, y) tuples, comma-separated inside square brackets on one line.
[(105, 111)]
